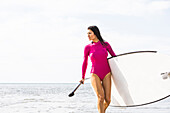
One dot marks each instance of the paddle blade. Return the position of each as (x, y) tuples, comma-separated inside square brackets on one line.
[(71, 94)]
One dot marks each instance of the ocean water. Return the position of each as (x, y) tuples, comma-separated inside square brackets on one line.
[(53, 98)]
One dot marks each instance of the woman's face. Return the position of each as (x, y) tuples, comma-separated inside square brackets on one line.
[(91, 35)]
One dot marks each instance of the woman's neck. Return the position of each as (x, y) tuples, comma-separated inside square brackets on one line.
[(95, 40)]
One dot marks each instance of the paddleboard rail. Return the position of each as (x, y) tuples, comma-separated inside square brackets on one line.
[(133, 53), (138, 105)]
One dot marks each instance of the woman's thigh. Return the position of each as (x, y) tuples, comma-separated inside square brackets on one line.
[(97, 85), (107, 86)]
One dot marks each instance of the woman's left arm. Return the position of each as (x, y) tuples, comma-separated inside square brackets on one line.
[(109, 49)]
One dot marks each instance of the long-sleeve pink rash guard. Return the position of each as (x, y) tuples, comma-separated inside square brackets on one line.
[(98, 55)]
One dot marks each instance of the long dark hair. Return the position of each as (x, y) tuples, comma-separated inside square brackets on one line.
[(96, 31)]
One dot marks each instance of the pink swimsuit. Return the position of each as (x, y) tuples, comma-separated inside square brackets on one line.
[(98, 55)]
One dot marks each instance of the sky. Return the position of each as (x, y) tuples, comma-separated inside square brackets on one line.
[(42, 41)]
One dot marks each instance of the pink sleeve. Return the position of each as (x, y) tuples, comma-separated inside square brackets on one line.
[(85, 62), (109, 49)]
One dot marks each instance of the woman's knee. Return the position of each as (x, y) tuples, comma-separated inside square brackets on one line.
[(108, 100), (100, 98)]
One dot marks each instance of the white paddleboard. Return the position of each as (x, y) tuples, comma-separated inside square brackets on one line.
[(139, 78)]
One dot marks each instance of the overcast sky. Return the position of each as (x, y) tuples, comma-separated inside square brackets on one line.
[(42, 41)]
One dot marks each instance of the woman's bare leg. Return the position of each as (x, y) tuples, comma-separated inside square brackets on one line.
[(98, 88), (107, 90)]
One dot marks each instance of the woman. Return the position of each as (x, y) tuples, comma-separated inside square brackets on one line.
[(100, 71)]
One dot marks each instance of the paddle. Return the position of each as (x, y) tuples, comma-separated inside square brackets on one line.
[(72, 93)]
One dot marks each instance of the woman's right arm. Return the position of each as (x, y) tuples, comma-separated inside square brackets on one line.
[(85, 62)]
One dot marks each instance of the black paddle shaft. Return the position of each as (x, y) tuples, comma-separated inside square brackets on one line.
[(72, 93)]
